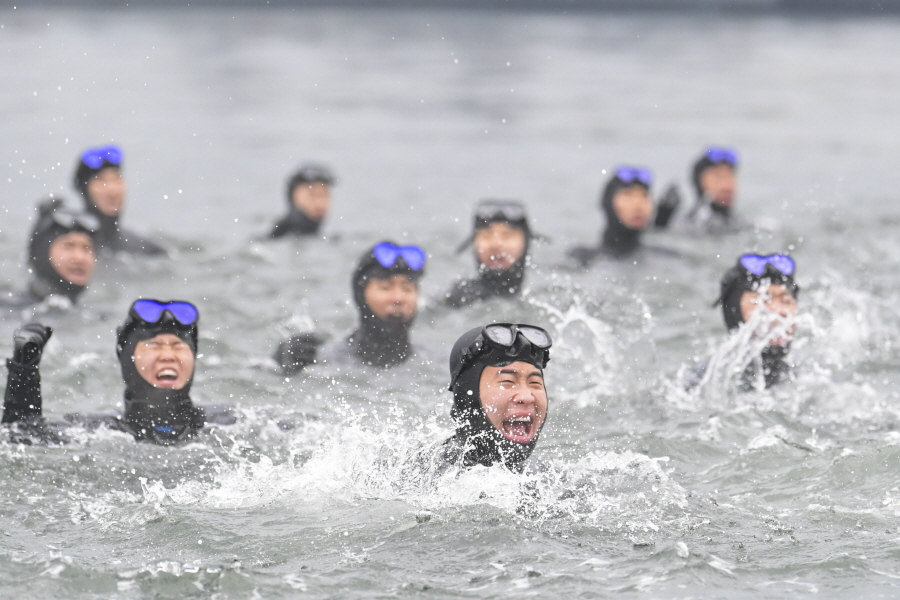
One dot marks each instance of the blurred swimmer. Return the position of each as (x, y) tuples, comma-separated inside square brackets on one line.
[(628, 208), (61, 257), (499, 397), (157, 350), (98, 177), (500, 240), (759, 290), (386, 291), (308, 198)]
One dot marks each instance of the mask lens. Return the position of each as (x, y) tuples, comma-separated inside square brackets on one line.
[(536, 336), (495, 211), (414, 257), (719, 154), (632, 174), (184, 312), (94, 157), (386, 254), (502, 335), (754, 263), (783, 263), (149, 310)]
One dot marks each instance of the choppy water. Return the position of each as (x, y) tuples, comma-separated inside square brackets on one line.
[(648, 491)]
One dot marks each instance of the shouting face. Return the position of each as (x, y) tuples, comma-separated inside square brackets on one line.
[(515, 400), (165, 361)]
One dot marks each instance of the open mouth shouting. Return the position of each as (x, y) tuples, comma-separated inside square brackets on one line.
[(520, 428), (167, 377)]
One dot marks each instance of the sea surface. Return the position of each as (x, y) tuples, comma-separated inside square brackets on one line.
[(644, 490)]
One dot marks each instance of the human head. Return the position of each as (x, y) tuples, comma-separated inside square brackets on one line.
[(714, 176), (501, 234), (157, 348), (754, 274), (499, 398), (626, 199), (309, 191), (61, 251), (386, 283), (98, 178)]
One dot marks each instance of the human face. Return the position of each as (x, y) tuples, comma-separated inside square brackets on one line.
[(514, 400), (106, 190), (633, 206), (394, 299), (776, 299), (165, 361), (313, 199), (719, 184), (499, 245), (72, 256)]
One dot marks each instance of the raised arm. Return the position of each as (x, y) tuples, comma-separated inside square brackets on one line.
[(22, 401)]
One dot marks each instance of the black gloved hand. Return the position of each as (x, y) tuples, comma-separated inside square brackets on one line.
[(28, 343), (667, 206), (297, 352)]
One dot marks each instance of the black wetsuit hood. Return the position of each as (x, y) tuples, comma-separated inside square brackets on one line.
[(296, 221), (735, 282), (503, 282), (164, 415), (618, 239), (476, 438), (53, 221), (380, 342), (109, 232), (703, 163)]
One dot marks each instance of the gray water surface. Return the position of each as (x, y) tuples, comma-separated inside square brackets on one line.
[(647, 491)]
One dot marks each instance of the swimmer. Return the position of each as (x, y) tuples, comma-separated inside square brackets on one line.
[(499, 395), (501, 238), (157, 350), (61, 257), (714, 177), (386, 292), (98, 178), (628, 208), (765, 285), (308, 198)]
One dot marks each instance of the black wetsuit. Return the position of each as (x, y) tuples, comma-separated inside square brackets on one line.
[(295, 223), (45, 280), (113, 238), (376, 342), (773, 362), (476, 440), (490, 283), (175, 422), (618, 241)]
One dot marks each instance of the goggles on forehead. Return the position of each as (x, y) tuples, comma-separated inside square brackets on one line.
[(387, 255), (73, 221), (631, 174), (510, 340), (500, 210), (721, 154), (756, 264), (152, 311), (95, 157)]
